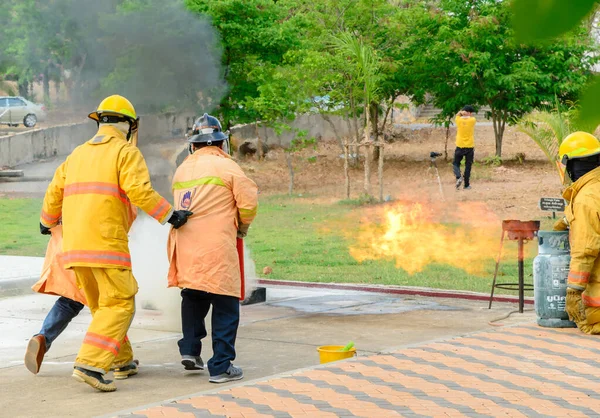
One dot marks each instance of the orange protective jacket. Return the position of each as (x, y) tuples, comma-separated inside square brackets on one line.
[(203, 255), (93, 191), (55, 279)]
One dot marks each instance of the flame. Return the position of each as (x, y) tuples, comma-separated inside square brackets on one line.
[(414, 236)]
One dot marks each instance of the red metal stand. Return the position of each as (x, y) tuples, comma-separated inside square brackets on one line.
[(520, 231)]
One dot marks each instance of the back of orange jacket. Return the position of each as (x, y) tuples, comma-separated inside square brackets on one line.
[(203, 255)]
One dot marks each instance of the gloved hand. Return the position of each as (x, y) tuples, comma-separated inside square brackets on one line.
[(561, 225), (179, 218), (242, 230), (574, 306), (44, 230)]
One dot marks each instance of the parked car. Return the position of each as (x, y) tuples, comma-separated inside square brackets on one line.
[(15, 110)]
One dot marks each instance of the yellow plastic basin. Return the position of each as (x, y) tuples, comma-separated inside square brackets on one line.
[(329, 353)]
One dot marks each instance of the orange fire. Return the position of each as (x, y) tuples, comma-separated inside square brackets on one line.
[(414, 235)]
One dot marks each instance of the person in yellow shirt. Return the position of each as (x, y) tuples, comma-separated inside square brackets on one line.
[(465, 145)]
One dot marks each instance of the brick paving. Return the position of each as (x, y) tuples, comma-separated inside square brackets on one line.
[(522, 371)]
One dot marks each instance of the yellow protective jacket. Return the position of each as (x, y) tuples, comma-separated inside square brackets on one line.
[(93, 191), (203, 255), (583, 216)]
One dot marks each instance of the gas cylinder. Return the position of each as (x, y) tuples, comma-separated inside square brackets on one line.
[(550, 271)]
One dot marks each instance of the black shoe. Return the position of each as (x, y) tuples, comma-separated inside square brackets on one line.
[(94, 379), (126, 371), (459, 182)]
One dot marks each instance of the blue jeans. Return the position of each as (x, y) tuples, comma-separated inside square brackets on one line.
[(225, 320), (63, 311)]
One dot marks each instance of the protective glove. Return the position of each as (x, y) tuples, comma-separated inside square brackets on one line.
[(574, 306), (44, 230), (561, 225), (179, 218), (242, 230)]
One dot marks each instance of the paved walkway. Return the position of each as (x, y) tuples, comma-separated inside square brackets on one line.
[(521, 371)]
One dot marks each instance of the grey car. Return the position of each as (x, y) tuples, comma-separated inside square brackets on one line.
[(15, 110)]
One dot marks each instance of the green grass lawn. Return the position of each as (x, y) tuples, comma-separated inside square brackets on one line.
[(298, 239), (19, 227)]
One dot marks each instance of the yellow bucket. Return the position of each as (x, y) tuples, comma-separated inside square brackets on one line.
[(329, 353)]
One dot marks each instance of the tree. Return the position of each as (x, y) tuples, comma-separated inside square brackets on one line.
[(548, 128), (254, 33), (465, 53)]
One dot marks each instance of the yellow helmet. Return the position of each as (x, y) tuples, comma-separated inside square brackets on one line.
[(117, 106), (579, 145), (576, 145)]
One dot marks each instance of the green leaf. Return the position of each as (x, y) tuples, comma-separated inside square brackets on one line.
[(536, 20), (589, 117)]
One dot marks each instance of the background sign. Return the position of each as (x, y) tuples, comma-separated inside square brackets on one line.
[(553, 204)]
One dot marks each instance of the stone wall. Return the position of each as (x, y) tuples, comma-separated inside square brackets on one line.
[(316, 126), (25, 147)]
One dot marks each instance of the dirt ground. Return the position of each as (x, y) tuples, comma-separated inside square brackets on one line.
[(511, 191)]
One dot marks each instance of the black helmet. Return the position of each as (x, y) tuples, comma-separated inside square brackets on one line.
[(207, 129)]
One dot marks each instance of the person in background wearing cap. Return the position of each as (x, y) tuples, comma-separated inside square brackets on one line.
[(580, 161), (203, 256), (465, 145), (92, 193)]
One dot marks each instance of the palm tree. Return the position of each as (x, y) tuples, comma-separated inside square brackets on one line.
[(548, 128), (365, 71)]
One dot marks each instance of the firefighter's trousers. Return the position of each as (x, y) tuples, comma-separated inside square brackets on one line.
[(110, 296)]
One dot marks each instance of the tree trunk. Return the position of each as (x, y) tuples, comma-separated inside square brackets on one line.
[(46, 85), (374, 109), (346, 168), (259, 153), (499, 124), (446, 143), (327, 119), (288, 159), (367, 144), (356, 132), (23, 88), (380, 170)]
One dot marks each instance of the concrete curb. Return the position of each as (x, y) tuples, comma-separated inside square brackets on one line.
[(398, 290)]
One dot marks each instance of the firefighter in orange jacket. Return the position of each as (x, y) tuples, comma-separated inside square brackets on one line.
[(203, 255), (92, 191)]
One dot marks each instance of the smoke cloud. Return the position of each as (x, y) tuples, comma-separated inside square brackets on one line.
[(155, 52)]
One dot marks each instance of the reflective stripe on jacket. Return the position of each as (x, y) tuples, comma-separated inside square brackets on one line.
[(93, 191), (583, 216), (203, 255)]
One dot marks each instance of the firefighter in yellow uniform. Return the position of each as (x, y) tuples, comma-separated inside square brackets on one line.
[(580, 158), (92, 191)]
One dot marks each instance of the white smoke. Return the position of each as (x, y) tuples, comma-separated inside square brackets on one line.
[(157, 306)]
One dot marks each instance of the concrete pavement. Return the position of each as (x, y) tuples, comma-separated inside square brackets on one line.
[(279, 336)]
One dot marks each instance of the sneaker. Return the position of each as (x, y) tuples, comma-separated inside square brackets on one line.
[(232, 373), (36, 349), (459, 182), (192, 362), (94, 379), (467, 187), (124, 372)]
